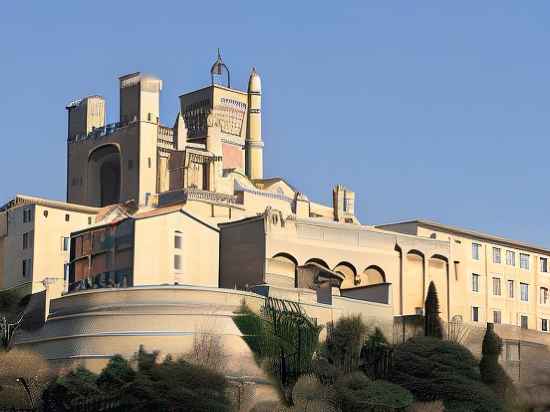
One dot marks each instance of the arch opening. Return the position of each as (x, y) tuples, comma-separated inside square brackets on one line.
[(349, 272), (374, 275), (104, 176)]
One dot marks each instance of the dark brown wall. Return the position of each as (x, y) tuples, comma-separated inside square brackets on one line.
[(242, 254)]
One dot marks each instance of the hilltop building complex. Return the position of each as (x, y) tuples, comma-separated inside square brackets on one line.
[(167, 229)]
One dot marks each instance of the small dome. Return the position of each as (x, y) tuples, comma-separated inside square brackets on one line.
[(216, 71), (255, 82)]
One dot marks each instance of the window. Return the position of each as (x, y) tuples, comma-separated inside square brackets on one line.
[(544, 265), (26, 267), (45, 213), (177, 262), (475, 282), (66, 243), (26, 240), (497, 316), (496, 287), (510, 258), (149, 162), (67, 217), (510, 288), (475, 250), (496, 255), (524, 321), (524, 261), (475, 314), (177, 240), (27, 216), (544, 325), (524, 292), (89, 220), (543, 296)]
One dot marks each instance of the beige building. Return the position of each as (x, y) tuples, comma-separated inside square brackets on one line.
[(34, 241), (171, 227), (492, 279)]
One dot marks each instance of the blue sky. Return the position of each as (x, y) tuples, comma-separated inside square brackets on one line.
[(426, 109)]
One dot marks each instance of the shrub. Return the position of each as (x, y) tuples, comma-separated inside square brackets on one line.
[(208, 352), (436, 406), (350, 391), (432, 322), (376, 356), (433, 369), (344, 341), (174, 385), (382, 395)]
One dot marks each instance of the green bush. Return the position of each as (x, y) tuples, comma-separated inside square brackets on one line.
[(350, 391), (433, 369), (382, 395), (174, 385), (344, 341)]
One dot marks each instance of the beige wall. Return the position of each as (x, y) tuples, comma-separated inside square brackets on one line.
[(463, 266), (81, 184), (154, 251), (45, 244)]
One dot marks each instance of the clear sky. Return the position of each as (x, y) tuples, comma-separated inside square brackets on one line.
[(427, 109)]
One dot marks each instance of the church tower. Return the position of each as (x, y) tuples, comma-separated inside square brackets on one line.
[(254, 144)]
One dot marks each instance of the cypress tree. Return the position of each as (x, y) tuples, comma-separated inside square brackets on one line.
[(432, 323), (492, 373)]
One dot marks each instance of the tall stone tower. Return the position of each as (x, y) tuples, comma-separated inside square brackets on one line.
[(254, 144)]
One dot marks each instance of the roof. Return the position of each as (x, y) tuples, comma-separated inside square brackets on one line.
[(470, 233), (19, 200)]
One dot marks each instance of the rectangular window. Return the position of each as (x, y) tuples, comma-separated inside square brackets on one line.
[(524, 289), (27, 216), (510, 258), (475, 282), (476, 247), (544, 265), (26, 240), (67, 217), (475, 314), (524, 261), (496, 287), (177, 241), (524, 321), (496, 255), (543, 296), (497, 316), (510, 288), (177, 262), (26, 269), (544, 325)]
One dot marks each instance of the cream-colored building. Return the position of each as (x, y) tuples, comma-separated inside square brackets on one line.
[(492, 279), (34, 241), (163, 213)]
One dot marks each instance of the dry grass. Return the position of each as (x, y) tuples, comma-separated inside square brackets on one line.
[(17, 364)]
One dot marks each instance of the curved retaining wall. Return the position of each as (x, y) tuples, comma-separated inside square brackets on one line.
[(91, 326)]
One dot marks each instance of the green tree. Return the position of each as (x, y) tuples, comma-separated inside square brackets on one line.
[(432, 322), (492, 373), (116, 375)]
